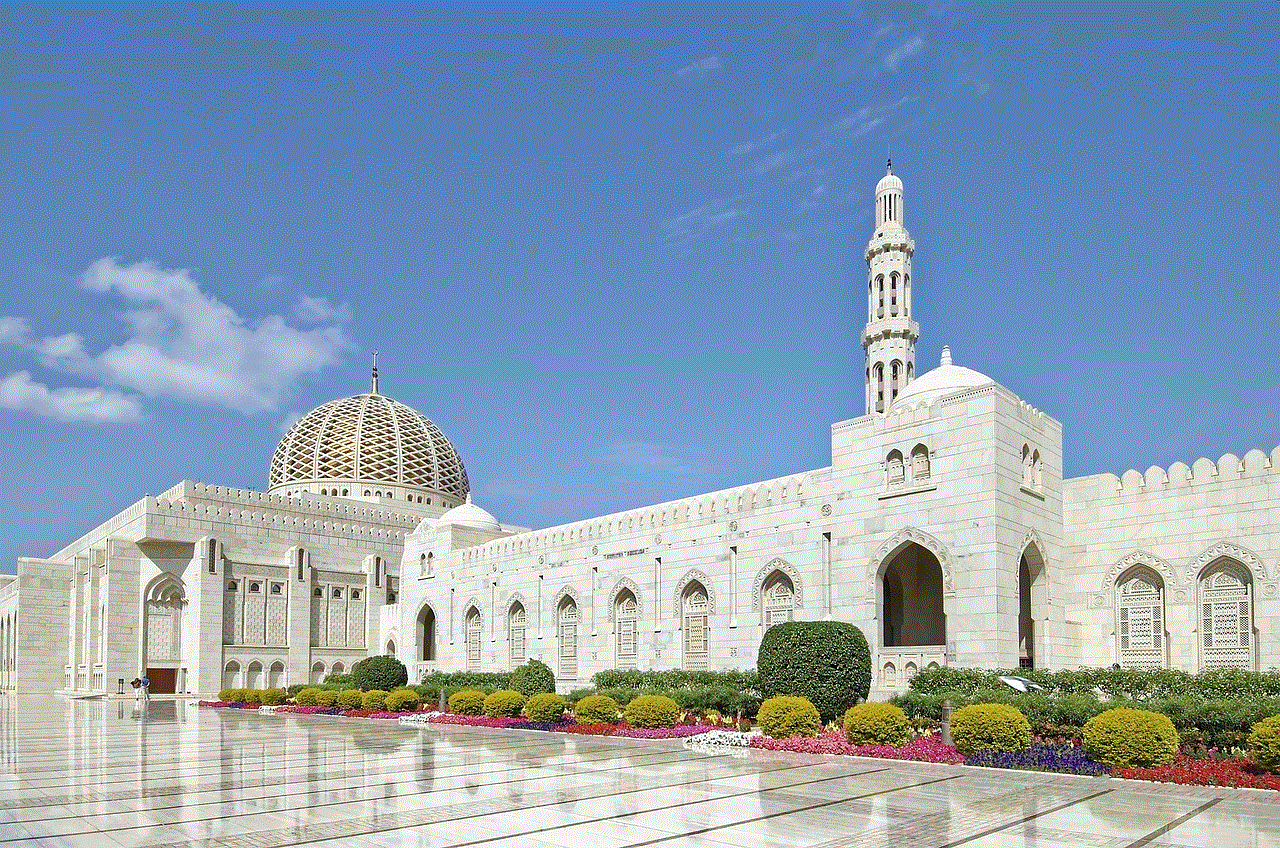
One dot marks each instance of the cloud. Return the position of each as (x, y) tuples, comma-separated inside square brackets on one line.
[(777, 160), (857, 124), (289, 420), (697, 222), (184, 343), (636, 458), (895, 57), (700, 68), (94, 405), (752, 146)]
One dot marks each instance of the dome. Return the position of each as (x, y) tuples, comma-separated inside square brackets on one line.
[(889, 181), (469, 515), (369, 438), (944, 380)]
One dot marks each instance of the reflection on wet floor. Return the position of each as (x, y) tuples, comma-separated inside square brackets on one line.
[(108, 773)]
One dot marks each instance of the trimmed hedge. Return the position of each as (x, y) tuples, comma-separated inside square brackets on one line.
[(504, 702), (1124, 737), (380, 672), (596, 709), (990, 727), (1124, 684), (671, 680), (308, 696), (468, 702), (402, 700), (374, 700), (876, 724), (545, 706), (350, 699), (1264, 744), (783, 716), (533, 678), (344, 680), (652, 711), (826, 662)]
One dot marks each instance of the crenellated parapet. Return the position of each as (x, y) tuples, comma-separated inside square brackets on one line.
[(1228, 470)]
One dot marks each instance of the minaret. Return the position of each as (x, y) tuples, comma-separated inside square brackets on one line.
[(890, 335)]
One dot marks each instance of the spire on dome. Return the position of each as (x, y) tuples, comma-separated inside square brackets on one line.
[(946, 356), (888, 167), (374, 388)]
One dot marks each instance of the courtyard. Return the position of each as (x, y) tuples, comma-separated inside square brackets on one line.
[(100, 773)]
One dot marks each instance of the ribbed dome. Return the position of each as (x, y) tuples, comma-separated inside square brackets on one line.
[(944, 380), (369, 438)]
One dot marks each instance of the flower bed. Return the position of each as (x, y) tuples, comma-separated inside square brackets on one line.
[(1065, 759), (1190, 771), (926, 749)]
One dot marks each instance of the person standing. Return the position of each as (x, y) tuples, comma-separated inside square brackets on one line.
[(145, 682)]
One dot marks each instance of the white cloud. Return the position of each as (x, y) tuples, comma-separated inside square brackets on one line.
[(752, 146), (702, 67), (95, 405), (895, 57), (645, 460), (777, 160), (696, 222), (14, 331), (184, 343)]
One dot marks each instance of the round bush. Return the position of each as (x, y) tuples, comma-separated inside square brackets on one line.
[(990, 727), (350, 699), (306, 696), (273, 697), (1124, 737), (402, 700), (375, 700), (326, 697), (545, 706), (381, 672), (788, 715), (230, 696), (1264, 744), (533, 678), (596, 709), (877, 724), (468, 702), (652, 711), (504, 703), (826, 662)]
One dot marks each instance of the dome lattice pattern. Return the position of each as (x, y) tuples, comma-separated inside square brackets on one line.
[(373, 438)]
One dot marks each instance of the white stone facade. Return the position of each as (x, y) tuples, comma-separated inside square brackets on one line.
[(942, 528)]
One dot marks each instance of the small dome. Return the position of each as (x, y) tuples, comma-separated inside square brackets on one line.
[(369, 438), (469, 515), (944, 380), (889, 180)]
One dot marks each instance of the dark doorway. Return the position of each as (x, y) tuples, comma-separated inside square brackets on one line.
[(163, 680)]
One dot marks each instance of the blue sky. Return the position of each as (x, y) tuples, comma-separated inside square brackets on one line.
[(616, 255)]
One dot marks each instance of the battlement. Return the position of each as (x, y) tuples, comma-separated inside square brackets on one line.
[(1203, 472)]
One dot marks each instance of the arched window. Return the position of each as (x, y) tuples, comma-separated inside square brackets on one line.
[(473, 639), (894, 470), (275, 676), (317, 672), (427, 634), (920, 462), (422, 565), (1035, 469), (517, 622), (1140, 619), (778, 599), (880, 305), (893, 293), (626, 629), (895, 379), (567, 625), (231, 675), (253, 677), (1026, 466), (696, 632), (1226, 616)]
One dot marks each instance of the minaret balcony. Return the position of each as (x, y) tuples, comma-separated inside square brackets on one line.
[(898, 326)]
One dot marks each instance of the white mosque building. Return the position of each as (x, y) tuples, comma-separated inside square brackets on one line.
[(943, 528)]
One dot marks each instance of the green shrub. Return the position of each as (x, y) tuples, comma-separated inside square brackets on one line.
[(272, 697), (545, 706), (375, 700), (877, 724), (504, 702), (595, 709), (989, 727), (342, 680), (1264, 744), (652, 711), (673, 679), (229, 695), (307, 695), (380, 672), (350, 699), (402, 700), (826, 662), (788, 715), (294, 688), (467, 702), (533, 678), (326, 697), (1124, 737)]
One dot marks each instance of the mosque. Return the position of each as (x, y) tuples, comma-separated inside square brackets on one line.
[(943, 528)]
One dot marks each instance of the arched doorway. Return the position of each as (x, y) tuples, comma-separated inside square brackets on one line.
[(911, 599), (164, 604), (1031, 600), (426, 634)]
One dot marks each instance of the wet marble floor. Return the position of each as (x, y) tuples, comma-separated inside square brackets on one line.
[(95, 773)]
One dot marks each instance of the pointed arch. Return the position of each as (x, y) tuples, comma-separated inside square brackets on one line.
[(1242, 555), (473, 629), (623, 584), (691, 576), (1111, 579), (517, 630), (783, 567), (901, 539), (1225, 593), (426, 632), (567, 624), (166, 600)]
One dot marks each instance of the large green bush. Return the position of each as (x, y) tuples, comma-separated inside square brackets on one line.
[(989, 727), (307, 696), (1264, 744), (545, 706), (326, 697), (876, 724), (533, 678), (827, 662), (467, 702), (652, 711), (1124, 737), (375, 700), (595, 709), (504, 702), (380, 672), (788, 715), (402, 700), (272, 697), (350, 699)]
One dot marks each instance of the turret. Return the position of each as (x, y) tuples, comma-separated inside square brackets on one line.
[(890, 335)]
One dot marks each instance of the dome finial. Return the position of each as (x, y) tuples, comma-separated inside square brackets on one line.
[(374, 389), (888, 166), (946, 356)]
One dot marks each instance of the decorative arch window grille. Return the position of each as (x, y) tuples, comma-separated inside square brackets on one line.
[(779, 599), (1226, 617), (895, 471), (517, 625), (1026, 465), (473, 639), (1140, 619), (920, 462), (567, 626), (696, 632), (895, 379), (626, 629)]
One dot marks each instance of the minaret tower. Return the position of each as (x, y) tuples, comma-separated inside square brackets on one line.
[(890, 335)]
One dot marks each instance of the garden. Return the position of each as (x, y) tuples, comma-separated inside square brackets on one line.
[(1217, 728)]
